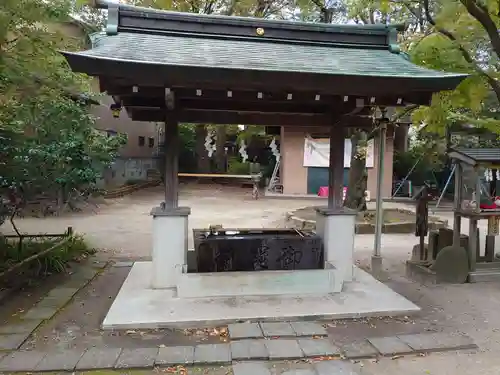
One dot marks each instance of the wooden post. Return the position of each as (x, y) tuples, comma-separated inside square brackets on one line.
[(171, 145), (473, 243), (457, 218), (379, 213), (336, 168)]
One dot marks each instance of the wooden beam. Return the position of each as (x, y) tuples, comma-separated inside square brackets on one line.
[(420, 90), (264, 119), (171, 146), (153, 95), (336, 168), (239, 106)]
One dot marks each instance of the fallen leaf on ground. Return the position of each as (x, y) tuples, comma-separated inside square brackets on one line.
[(396, 357)]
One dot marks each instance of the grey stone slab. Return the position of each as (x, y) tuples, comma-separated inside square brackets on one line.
[(359, 349), (84, 273), (301, 371), (65, 360), (212, 353), (137, 358), (76, 282), (98, 358), (318, 347), (24, 326), (248, 368), (62, 292), (13, 341), (23, 360), (40, 313), (308, 329), (245, 331), (248, 349), (283, 349), (175, 355), (123, 264), (335, 368), (433, 342), (389, 346), (277, 329), (53, 302)]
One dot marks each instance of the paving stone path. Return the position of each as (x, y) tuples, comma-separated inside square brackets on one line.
[(251, 349), (12, 336), (255, 342)]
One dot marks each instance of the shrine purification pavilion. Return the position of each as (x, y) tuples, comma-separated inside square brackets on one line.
[(176, 68)]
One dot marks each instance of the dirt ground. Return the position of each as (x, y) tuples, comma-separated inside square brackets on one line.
[(122, 229)]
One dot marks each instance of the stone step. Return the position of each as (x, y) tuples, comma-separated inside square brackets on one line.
[(229, 353)]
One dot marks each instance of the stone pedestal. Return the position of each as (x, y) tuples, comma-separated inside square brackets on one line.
[(337, 229), (170, 245)]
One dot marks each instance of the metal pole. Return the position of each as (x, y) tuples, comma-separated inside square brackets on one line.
[(379, 214), (408, 175), (445, 187)]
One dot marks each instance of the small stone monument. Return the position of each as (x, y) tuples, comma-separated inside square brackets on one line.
[(451, 265)]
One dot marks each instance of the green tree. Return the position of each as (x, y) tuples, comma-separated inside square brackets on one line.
[(462, 36), (47, 138), (448, 35)]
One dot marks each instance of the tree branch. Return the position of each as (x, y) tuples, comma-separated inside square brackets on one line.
[(481, 14), (495, 85), (320, 5)]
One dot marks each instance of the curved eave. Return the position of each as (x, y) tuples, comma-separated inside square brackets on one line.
[(420, 88)]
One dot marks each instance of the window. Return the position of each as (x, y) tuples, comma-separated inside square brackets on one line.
[(142, 141), (151, 142)]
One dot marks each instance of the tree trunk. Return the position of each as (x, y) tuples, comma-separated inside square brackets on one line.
[(203, 161), (358, 176), (220, 153)]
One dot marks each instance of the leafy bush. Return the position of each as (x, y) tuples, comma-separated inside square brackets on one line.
[(13, 252), (237, 167)]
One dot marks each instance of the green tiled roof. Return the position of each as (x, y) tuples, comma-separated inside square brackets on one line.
[(480, 154), (266, 55)]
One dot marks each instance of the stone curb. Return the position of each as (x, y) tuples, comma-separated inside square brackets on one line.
[(13, 336), (366, 228), (230, 353)]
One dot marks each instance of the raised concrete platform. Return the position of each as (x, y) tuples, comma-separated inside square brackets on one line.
[(139, 306), (263, 283)]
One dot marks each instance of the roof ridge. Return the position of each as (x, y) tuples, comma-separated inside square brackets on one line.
[(123, 17)]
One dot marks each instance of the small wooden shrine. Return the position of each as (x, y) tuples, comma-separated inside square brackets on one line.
[(476, 198)]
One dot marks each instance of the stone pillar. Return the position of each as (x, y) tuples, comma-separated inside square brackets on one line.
[(336, 224), (170, 222), (170, 243)]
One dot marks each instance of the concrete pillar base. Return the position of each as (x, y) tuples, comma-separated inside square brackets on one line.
[(337, 229), (170, 245), (377, 266)]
